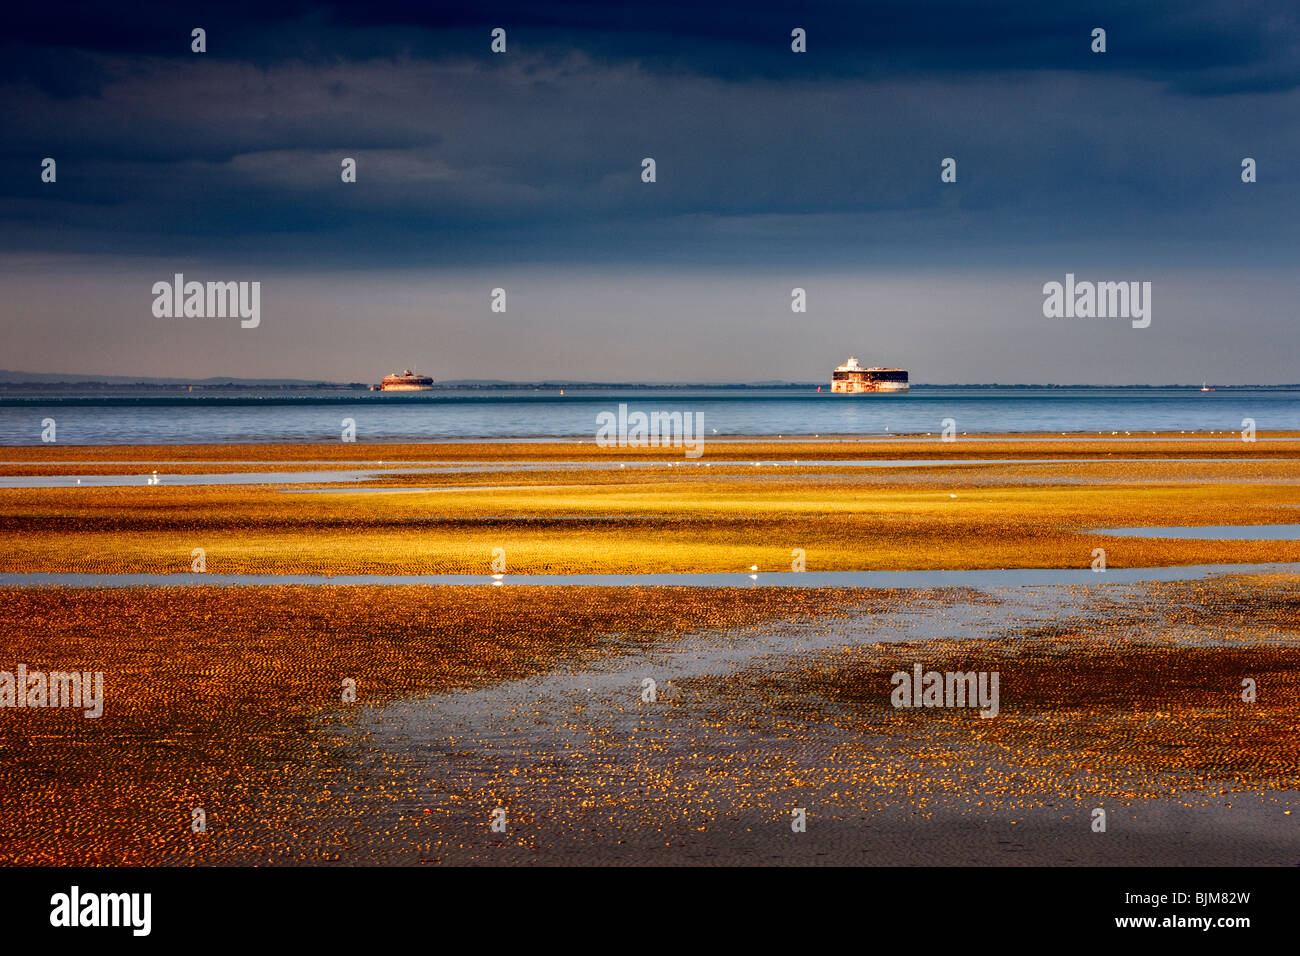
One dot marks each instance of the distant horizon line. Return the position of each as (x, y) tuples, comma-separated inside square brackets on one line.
[(12, 378)]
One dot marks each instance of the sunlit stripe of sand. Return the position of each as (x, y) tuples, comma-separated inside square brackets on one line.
[(980, 578)]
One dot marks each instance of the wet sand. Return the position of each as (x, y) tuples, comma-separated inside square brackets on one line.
[(1119, 692), (743, 731), (847, 506)]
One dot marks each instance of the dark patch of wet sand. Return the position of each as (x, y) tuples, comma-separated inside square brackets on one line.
[(588, 773)]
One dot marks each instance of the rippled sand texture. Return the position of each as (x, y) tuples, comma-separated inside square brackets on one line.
[(732, 509), (1124, 699), (1120, 697), (529, 700), (214, 697)]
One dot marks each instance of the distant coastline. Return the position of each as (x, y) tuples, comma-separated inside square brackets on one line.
[(21, 381)]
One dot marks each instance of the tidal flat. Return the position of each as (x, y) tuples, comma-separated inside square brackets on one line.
[(528, 707), (742, 505)]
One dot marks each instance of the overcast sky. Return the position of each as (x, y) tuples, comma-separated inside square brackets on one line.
[(775, 169)]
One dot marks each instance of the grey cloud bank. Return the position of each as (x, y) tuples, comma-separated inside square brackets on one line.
[(521, 171)]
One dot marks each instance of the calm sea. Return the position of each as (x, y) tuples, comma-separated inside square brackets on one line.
[(214, 415)]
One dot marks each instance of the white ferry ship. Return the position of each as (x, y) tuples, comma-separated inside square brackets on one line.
[(852, 377)]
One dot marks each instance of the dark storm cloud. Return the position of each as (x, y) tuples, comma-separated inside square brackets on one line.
[(826, 157), (1206, 46)]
